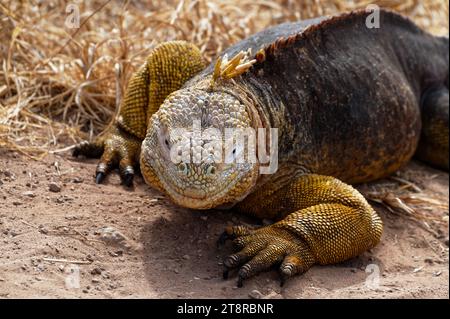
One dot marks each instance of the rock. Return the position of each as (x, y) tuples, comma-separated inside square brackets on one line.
[(77, 180), (96, 271), (255, 294), (113, 254), (8, 174), (186, 257), (105, 275), (416, 270), (43, 230), (112, 235), (29, 194), (273, 295), (54, 187), (446, 241)]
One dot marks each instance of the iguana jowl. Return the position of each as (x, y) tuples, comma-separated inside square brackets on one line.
[(352, 104)]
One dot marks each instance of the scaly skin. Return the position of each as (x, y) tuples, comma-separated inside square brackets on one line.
[(349, 103)]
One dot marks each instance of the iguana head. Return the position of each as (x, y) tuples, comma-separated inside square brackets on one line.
[(186, 154)]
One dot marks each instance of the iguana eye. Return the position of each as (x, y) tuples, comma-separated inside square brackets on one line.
[(183, 168), (210, 170)]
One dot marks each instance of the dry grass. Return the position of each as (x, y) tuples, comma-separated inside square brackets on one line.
[(58, 85)]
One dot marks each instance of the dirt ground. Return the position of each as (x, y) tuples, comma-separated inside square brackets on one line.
[(63, 236)]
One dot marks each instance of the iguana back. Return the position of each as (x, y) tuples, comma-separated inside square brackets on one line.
[(345, 97)]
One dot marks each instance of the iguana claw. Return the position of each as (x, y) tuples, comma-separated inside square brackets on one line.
[(99, 177), (127, 178), (261, 249), (115, 148)]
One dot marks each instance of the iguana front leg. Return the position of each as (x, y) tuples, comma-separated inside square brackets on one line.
[(330, 222), (166, 69)]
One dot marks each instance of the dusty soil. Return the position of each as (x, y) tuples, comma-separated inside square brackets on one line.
[(135, 243)]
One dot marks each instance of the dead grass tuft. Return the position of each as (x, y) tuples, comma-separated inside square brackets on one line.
[(58, 85)]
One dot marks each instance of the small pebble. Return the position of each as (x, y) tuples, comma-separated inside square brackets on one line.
[(54, 187), (112, 235), (96, 271), (77, 180), (255, 294), (273, 295), (29, 194)]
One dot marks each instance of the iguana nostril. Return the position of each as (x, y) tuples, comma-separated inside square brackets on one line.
[(210, 170)]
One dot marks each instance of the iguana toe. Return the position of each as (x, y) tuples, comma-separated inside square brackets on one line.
[(91, 150), (261, 249), (116, 148)]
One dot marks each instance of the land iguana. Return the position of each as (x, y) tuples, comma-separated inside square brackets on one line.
[(352, 104)]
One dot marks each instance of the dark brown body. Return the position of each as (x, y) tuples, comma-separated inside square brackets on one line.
[(346, 98)]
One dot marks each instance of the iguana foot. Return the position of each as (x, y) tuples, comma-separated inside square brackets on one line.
[(115, 148), (261, 249)]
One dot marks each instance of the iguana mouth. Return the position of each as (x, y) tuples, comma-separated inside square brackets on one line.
[(207, 197), (194, 200)]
